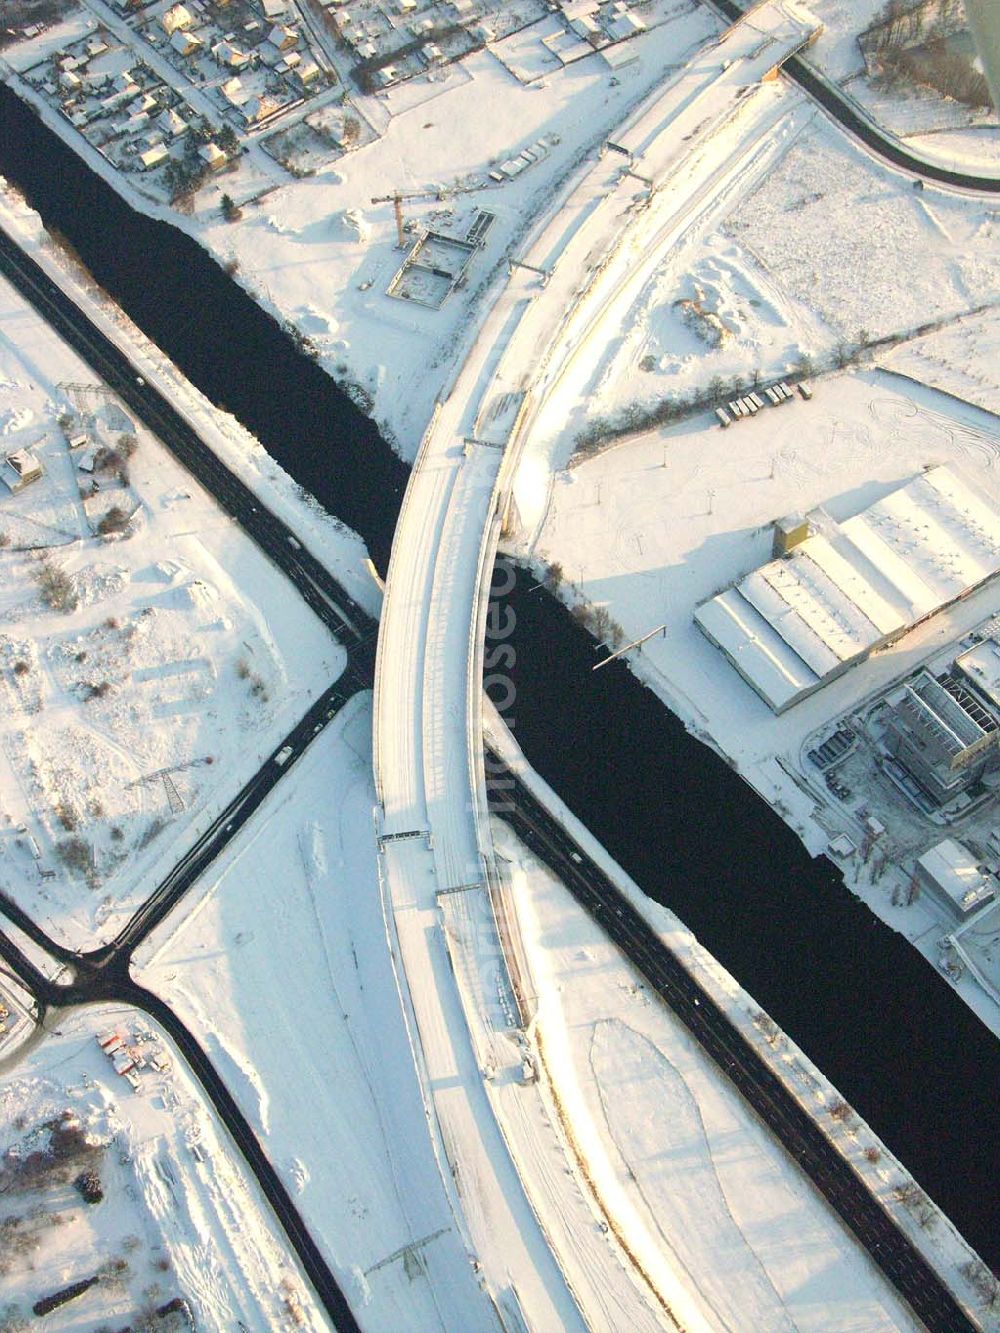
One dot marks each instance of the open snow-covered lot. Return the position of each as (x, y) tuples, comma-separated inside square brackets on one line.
[(138, 1189), (149, 654), (833, 228), (282, 968)]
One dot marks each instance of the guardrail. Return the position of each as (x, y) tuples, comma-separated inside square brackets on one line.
[(379, 654)]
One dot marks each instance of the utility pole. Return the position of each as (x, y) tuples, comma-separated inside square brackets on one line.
[(397, 203)]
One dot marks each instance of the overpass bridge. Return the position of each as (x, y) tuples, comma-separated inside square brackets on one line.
[(521, 1213)]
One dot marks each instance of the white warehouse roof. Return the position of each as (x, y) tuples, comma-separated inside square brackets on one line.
[(793, 624)]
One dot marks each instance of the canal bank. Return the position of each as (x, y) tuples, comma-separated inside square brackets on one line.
[(857, 999), (232, 350)]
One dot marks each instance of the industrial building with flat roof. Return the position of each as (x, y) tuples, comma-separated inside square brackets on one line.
[(952, 875), (795, 624)]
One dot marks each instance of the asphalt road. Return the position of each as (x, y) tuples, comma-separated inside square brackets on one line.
[(104, 975), (843, 111), (791, 1124), (331, 603)]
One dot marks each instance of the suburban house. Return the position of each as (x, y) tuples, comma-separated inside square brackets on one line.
[(177, 19)]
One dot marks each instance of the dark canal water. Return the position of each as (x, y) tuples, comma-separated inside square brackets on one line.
[(863, 1005), (237, 355)]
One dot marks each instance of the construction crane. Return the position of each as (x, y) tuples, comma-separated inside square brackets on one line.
[(397, 202)]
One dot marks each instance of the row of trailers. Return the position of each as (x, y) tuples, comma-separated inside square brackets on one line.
[(751, 403)]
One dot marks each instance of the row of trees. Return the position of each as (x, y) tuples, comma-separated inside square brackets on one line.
[(637, 417), (934, 65)]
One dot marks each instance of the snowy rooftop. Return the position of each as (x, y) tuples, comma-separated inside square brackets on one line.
[(792, 624), (956, 873), (982, 666)]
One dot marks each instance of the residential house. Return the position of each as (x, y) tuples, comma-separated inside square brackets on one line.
[(20, 469), (212, 155), (230, 56), (186, 43), (148, 160), (176, 19), (283, 37)]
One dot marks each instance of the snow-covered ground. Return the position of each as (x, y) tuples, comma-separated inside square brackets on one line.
[(687, 1180), (179, 1218), (142, 693), (794, 259), (281, 967), (831, 226), (957, 360)]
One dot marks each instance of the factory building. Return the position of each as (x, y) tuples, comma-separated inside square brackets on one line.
[(940, 733), (846, 589)]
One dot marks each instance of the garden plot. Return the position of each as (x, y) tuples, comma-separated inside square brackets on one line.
[(144, 649)]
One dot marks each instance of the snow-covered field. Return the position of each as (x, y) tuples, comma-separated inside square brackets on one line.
[(281, 966), (832, 227), (957, 360), (145, 672), (180, 1218)]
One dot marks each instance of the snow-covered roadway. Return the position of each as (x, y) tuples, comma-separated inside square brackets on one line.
[(543, 1255)]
